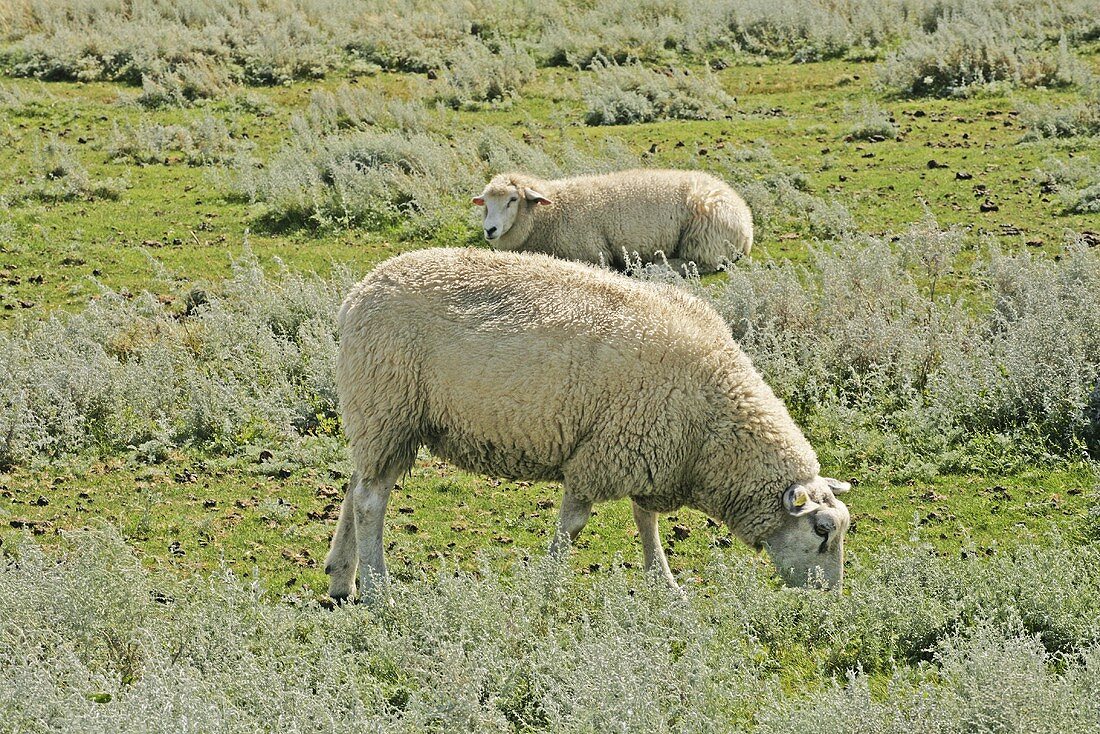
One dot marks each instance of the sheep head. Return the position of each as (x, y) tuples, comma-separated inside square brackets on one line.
[(808, 547), (502, 201)]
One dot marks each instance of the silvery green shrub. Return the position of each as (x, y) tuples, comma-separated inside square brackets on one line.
[(203, 142), (253, 360), (632, 93), (975, 50), (91, 640)]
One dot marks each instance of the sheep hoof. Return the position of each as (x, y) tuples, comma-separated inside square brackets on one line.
[(341, 593)]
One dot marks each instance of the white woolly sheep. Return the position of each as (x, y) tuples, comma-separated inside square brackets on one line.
[(530, 367), (687, 215)]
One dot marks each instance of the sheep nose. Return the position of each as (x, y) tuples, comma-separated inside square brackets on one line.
[(489, 232)]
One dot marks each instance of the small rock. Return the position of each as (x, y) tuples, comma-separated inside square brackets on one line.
[(963, 175), (988, 206), (933, 163)]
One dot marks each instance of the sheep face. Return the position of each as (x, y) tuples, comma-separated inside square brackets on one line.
[(502, 204), (808, 548)]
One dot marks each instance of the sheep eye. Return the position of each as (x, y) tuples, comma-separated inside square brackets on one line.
[(512, 201), (822, 531)]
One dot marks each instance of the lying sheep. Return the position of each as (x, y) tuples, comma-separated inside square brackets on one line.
[(686, 215), (529, 367)]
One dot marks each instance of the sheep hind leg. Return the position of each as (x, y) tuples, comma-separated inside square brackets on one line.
[(369, 504), (652, 551), (574, 516)]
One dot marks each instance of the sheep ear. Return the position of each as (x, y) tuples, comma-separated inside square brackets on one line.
[(478, 201), (836, 485), (536, 197), (796, 500)]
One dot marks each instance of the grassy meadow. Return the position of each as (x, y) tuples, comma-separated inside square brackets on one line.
[(187, 190)]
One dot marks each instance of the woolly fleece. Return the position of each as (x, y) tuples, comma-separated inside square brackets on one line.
[(530, 367)]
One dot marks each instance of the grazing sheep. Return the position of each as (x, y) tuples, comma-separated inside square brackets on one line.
[(526, 366), (687, 215)]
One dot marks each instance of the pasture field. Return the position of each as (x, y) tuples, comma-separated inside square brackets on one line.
[(187, 190)]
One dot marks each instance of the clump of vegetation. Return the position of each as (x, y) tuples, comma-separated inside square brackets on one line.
[(60, 176), (900, 376), (967, 53), (805, 32), (274, 43), (203, 142), (93, 636), (359, 108), (632, 93), (182, 85), (251, 360), (871, 122), (1081, 119), (474, 74), (23, 101), (175, 53), (373, 179), (1077, 183)]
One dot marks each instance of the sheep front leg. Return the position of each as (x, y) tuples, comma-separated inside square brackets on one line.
[(574, 515), (652, 552), (341, 562)]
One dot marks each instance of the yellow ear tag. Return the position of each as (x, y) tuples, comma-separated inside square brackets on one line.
[(799, 500)]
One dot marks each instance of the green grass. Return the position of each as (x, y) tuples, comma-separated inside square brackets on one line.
[(194, 515)]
